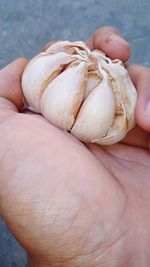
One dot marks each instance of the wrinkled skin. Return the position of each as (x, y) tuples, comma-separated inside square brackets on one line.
[(70, 204)]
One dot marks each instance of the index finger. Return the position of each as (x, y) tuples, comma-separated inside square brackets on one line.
[(111, 42)]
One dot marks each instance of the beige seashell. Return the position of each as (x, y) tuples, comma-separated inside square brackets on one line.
[(81, 91)]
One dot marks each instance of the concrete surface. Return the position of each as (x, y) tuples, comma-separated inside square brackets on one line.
[(27, 25)]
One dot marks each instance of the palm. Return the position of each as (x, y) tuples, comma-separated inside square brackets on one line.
[(69, 203)]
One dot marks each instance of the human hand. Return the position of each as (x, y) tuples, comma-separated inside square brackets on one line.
[(69, 204)]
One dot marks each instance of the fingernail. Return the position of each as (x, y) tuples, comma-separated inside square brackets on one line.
[(117, 39)]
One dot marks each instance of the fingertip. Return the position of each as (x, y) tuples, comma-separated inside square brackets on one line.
[(142, 111), (10, 81), (20, 60), (15, 68), (142, 115), (47, 45), (111, 42), (89, 43), (141, 78), (116, 47)]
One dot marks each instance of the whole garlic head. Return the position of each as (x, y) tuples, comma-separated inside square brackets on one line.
[(81, 91)]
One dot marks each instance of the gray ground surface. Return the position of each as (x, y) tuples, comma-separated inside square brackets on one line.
[(26, 25)]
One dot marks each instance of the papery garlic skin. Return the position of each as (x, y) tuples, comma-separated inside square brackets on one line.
[(81, 91), (100, 100)]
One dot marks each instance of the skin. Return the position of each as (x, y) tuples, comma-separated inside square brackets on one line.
[(70, 204)]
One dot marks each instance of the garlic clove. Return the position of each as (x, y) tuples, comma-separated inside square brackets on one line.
[(93, 79), (131, 103), (116, 132), (39, 73), (61, 100), (125, 101), (124, 90), (97, 113)]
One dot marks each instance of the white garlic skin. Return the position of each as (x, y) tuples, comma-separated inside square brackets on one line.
[(81, 91)]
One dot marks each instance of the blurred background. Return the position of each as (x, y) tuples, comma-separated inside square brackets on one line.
[(25, 26)]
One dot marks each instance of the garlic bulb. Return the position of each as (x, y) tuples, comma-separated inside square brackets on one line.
[(81, 91)]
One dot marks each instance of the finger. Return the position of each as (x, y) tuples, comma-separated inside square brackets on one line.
[(10, 84), (48, 45), (137, 137), (141, 79), (111, 42)]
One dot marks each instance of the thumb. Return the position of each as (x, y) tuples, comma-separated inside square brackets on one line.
[(141, 78), (11, 96)]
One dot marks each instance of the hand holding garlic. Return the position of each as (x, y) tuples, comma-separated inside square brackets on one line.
[(81, 91)]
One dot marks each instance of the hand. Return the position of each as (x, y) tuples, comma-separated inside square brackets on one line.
[(69, 204)]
